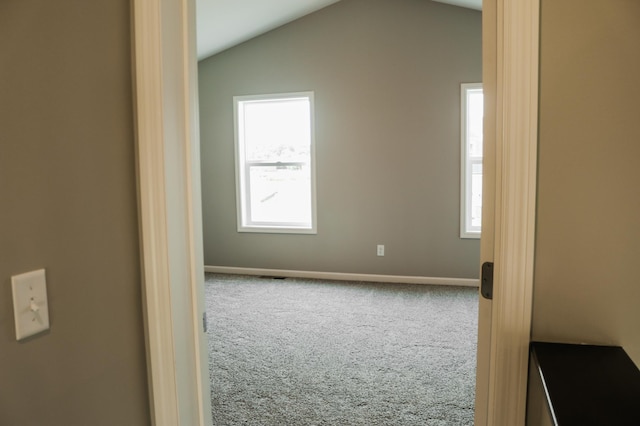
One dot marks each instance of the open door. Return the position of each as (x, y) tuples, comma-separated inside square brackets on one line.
[(510, 82)]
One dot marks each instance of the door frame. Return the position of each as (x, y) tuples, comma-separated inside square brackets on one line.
[(169, 205), (165, 77), (511, 43)]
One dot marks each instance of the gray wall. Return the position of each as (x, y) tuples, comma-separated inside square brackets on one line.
[(67, 184), (586, 285), (386, 76)]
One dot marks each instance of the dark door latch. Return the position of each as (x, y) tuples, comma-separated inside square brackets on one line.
[(486, 281)]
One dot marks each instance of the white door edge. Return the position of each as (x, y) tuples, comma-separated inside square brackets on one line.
[(194, 204), (489, 81), (165, 77)]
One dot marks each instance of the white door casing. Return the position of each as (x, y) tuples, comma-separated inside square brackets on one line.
[(168, 157), (511, 51)]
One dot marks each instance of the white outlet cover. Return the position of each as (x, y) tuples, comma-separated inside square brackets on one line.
[(30, 306)]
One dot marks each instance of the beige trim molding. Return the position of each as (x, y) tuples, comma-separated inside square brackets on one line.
[(516, 154), (165, 76), (147, 40), (341, 276)]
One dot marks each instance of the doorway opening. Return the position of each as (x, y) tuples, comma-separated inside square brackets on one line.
[(385, 155)]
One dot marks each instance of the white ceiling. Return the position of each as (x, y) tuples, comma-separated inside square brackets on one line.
[(225, 23), (471, 4)]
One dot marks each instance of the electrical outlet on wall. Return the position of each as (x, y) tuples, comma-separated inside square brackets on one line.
[(380, 249)]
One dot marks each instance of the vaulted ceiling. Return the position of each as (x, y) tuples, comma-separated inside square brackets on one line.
[(224, 23)]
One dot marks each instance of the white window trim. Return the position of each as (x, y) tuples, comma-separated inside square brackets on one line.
[(465, 166), (242, 171)]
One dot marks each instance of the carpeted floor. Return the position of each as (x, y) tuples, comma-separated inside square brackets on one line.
[(309, 352)]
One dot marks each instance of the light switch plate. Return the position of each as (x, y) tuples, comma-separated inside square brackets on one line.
[(30, 305)]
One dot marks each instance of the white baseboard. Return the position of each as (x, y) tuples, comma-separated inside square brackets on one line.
[(340, 276)]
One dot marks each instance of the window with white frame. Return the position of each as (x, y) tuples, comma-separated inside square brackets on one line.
[(472, 101), (275, 170)]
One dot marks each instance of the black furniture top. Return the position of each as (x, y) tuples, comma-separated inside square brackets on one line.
[(589, 385)]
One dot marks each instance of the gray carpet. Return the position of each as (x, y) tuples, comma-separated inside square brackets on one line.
[(309, 352)]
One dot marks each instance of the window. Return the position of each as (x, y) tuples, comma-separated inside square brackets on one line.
[(471, 167), (275, 173)]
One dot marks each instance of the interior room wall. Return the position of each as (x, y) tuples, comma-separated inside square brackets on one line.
[(586, 286), (386, 76), (68, 188)]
